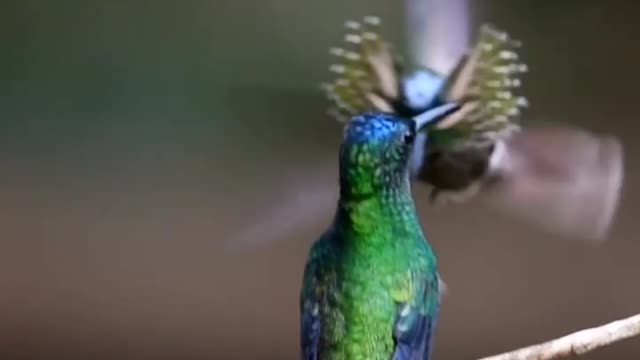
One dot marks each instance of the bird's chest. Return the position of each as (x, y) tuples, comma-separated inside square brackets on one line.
[(364, 304), (391, 271), (368, 280)]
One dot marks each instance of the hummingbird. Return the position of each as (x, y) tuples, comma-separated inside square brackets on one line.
[(559, 177), (371, 285)]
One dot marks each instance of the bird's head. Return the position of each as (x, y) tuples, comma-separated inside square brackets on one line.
[(376, 149), (421, 90)]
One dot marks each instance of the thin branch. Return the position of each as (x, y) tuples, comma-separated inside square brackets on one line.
[(578, 343)]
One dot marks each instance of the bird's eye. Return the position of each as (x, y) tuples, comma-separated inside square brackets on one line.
[(408, 137)]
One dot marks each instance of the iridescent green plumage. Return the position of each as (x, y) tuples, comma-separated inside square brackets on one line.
[(370, 286)]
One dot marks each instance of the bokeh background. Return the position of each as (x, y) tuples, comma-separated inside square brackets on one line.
[(142, 144)]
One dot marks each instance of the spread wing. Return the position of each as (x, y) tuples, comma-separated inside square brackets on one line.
[(484, 82), (370, 77), (366, 72), (310, 319)]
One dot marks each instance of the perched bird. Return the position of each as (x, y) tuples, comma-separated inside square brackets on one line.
[(563, 179), (370, 288)]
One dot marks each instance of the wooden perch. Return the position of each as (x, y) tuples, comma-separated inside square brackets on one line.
[(578, 343)]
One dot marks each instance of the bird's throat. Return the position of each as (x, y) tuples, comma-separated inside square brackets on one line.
[(380, 216)]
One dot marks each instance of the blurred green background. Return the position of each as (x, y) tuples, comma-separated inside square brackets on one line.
[(142, 141)]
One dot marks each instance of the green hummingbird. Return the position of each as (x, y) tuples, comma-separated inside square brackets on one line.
[(371, 285)]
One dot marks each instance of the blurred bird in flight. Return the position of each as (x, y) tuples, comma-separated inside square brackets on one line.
[(560, 178), (563, 179)]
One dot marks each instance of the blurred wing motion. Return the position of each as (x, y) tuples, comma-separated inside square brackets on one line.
[(481, 148), (562, 179), (484, 81)]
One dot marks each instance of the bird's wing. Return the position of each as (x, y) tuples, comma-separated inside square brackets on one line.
[(369, 77), (317, 277), (415, 323), (310, 335), (484, 82), (366, 72), (562, 179), (310, 318), (460, 146)]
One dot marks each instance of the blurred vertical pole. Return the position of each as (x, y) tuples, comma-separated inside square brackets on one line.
[(438, 32)]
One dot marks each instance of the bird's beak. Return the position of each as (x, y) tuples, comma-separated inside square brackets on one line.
[(434, 115)]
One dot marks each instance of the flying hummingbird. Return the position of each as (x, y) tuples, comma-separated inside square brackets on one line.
[(371, 284), (561, 178)]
